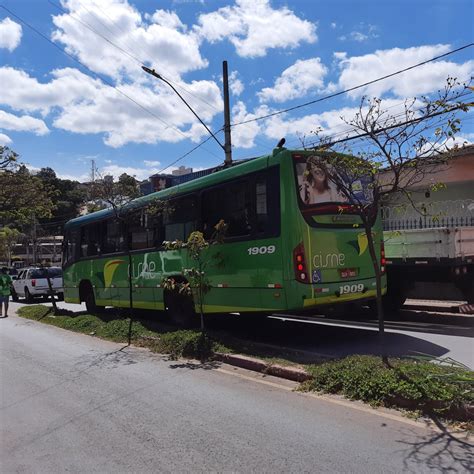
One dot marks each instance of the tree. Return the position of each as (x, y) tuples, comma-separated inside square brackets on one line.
[(22, 196), (8, 239), (118, 195), (398, 152), (8, 158), (106, 192), (69, 196), (195, 284)]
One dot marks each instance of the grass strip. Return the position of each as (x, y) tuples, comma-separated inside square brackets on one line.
[(414, 384)]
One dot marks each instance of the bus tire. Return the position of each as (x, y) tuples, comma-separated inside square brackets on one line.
[(180, 308), (86, 293)]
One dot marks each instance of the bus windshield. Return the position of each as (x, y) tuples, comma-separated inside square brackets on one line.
[(317, 189)]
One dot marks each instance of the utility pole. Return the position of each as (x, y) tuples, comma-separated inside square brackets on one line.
[(227, 147), (228, 144)]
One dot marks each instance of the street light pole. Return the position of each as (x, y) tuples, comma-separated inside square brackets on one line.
[(158, 76)]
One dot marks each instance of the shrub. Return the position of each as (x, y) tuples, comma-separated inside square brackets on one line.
[(185, 343), (415, 384)]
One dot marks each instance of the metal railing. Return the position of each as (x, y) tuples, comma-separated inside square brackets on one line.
[(456, 213)]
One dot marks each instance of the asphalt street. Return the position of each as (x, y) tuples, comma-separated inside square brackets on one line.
[(74, 403), (412, 333)]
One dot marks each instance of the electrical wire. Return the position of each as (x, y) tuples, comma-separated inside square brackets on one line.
[(331, 96), (128, 53), (105, 81)]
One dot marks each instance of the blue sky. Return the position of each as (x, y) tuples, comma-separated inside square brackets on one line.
[(55, 112)]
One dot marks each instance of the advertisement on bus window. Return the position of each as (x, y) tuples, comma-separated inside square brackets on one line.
[(315, 185)]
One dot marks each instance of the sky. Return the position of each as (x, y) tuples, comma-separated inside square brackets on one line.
[(72, 89)]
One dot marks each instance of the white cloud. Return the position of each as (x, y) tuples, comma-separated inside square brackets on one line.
[(82, 178), (5, 139), (25, 123), (254, 27), (235, 84), (359, 37), (161, 39), (332, 122), (280, 126), (296, 81), (138, 173), (151, 163), (84, 105), (422, 80), (244, 136), (68, 86), (10, 34)]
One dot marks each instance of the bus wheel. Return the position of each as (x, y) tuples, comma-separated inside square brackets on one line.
[(89, 299), (180, 309)]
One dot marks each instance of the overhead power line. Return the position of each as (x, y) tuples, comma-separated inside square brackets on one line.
[(122, 50), (105, 81), (390, 127), (336, 94)]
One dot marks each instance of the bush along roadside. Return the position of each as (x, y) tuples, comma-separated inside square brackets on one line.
[(414, 384)]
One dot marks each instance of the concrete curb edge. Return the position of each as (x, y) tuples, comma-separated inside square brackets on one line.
[(257, 365)]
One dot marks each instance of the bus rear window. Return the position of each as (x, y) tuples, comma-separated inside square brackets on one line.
[(320, 199)]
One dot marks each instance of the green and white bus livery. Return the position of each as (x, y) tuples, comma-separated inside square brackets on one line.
[(288, 246)]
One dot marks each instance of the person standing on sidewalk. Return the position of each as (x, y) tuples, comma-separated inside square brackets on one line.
[(5, 282)]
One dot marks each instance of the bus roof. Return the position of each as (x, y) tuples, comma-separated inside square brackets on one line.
[(190, 186)]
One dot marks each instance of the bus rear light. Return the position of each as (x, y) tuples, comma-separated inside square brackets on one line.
[(33, 282), (300, 264)]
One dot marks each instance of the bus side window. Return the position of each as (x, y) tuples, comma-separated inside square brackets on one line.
[(70, 246), (90, 240), (231, 202), (267, 200), (144, 230), (180, 218), (114, 237), (137, 232)]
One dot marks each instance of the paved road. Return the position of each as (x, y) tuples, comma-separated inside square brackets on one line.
[(412, 333), (74, 403)]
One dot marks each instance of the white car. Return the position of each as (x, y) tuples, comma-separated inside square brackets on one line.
[(32, 282)]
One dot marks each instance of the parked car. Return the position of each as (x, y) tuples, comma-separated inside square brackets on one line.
[(32, 282)]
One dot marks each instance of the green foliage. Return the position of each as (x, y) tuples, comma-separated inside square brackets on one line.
[(8, 158), (419, 384), (195, 283), (8, 238), (68, 197), (181, 343), (185, 343), (116, 194), (35, 197)]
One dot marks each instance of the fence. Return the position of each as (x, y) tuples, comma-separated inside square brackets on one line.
[(457, 213)]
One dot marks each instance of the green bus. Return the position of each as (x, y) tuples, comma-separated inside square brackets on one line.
[(292, 243)]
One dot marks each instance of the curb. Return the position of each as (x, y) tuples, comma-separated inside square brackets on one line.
[(257, 365)]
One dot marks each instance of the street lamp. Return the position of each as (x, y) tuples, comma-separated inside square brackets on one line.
[(227, 146)]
